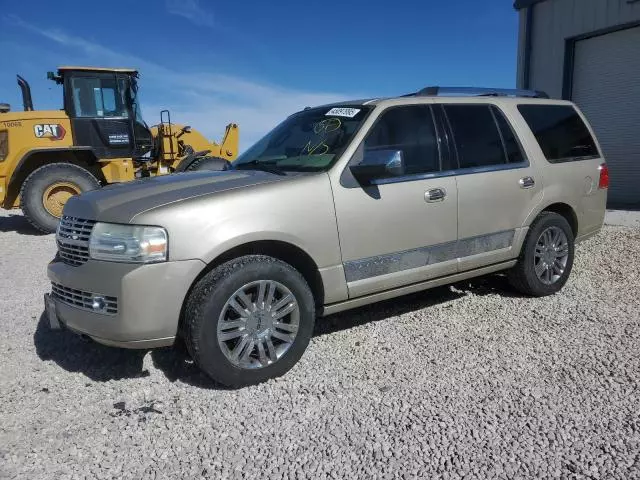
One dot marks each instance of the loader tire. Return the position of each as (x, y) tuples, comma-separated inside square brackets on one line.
[(47, 189), (215, 164)]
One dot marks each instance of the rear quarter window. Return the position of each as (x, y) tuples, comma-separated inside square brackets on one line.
[(560, 132)]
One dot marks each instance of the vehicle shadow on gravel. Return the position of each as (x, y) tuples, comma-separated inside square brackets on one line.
[(101, 364), (18, 224), (495, 284)]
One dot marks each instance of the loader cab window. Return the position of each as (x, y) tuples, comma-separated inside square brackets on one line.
[(131, 95), (98, 97), (144, 139)]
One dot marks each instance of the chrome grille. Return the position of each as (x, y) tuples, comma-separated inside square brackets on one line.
[(84, 300), (73, 239)]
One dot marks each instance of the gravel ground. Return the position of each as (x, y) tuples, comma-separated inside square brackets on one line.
[(469, 381)]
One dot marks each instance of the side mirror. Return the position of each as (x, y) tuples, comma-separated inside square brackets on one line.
[(378, 164)]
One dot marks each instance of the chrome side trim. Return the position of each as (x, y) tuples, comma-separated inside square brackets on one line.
[(450, 173), (416, 287), (420, 257)]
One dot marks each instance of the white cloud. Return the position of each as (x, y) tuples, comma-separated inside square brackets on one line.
[(192, 11), (203, 99)]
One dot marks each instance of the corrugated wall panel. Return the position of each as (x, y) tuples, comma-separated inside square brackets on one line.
[(557, 20), (606, 86)]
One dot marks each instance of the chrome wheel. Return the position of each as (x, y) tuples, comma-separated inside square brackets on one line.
[(258, 324), (551, 255)]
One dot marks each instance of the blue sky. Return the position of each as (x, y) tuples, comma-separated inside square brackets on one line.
[(253, 62)]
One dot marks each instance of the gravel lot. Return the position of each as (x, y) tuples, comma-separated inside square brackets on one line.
[(469, 381)]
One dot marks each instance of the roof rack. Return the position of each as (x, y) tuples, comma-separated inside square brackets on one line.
[(478, 91)]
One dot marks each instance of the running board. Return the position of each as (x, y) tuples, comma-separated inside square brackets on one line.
[(416, 287)]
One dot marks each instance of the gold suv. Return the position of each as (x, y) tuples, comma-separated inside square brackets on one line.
[(339, 206)]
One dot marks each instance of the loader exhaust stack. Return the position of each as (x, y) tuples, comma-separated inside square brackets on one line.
[(26, 94)]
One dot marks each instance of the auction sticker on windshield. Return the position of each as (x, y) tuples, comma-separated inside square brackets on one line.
[(343, 112)]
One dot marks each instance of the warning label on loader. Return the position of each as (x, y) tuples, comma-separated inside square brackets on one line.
[(119, 139)]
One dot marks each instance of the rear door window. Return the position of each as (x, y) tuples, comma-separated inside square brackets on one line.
[(512, 147), (476, 135), (560, 132)]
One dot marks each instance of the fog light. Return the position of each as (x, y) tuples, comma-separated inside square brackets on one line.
[(99, 305)]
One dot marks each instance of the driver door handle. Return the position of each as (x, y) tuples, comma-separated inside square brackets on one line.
[(435, 195)]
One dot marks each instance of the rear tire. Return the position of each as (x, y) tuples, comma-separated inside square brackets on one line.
[(47, 189), (546, 258), (276, 322)]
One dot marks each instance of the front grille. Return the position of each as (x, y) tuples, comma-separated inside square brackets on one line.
[(73, 239), (85, 300)]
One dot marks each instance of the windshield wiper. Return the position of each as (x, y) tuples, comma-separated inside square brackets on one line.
[(258, 165)]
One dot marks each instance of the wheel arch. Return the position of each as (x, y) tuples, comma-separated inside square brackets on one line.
[(285, 251), (566, 211), (81, 156)]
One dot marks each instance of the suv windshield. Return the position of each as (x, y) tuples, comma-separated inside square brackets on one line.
[(310, 140)]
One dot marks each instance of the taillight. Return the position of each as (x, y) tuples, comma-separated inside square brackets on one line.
[(604, 176)]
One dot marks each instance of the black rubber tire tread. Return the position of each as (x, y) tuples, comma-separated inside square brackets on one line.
[(37, 182), (522, 276), (203, 309), (208, 163)]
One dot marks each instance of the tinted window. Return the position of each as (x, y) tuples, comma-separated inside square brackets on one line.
[(310, 140), (476, 135), (410, 130), (511, 145), (560, 131)]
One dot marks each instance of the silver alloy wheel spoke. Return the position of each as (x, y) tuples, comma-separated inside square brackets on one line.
[(282, 302), (285, 311), (237, 351), (228, 325), (269, 300), (226, 336), (247, 351), (551, 255), (273, 356), (285, 337), (258, 324), (262, 356), (240, 310), (287, 327), (557, 268), (249, 306)]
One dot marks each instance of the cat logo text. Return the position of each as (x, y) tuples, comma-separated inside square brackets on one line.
[(50, 131)]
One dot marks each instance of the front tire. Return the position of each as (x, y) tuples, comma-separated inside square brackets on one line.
[(249, 320), (47, 189), (546, 258)]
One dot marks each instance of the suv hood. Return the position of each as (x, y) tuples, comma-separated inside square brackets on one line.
[(120, 202)]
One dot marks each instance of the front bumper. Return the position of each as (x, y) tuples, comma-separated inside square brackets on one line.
[(149, 300)]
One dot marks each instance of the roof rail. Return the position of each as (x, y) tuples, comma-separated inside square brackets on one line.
[(478, 91)]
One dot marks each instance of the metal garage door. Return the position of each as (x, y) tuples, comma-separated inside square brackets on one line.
[(606, 86)]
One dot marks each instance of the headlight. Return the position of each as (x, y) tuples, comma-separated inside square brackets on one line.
[(128, 243)]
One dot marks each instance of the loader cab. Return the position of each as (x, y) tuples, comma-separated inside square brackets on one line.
[(104, 110)]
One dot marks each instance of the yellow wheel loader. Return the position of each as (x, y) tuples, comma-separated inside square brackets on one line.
[(99, 137)]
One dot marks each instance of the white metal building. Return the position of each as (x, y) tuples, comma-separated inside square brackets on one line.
[(588, 51)]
